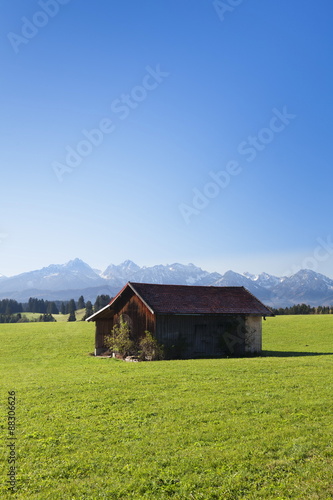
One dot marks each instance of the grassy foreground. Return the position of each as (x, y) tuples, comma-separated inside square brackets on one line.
[(91, 428)]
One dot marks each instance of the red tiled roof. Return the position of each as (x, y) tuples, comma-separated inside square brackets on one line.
[(184, 299)]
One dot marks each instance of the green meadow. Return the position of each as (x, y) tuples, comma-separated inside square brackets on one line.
[(93, 428), (58, 317)]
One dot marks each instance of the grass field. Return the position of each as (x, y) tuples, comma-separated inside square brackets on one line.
[(58, 317), (92, 428)]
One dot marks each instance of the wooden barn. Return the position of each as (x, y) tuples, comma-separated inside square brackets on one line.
[(190, 321)]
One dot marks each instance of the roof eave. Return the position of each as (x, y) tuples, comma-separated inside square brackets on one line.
[(263, 305), (140, 297), (91, 318)]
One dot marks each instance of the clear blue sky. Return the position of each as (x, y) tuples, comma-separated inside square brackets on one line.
[(181, 91)]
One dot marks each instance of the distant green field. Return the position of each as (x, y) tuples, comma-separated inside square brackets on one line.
[(92, 428), (58, 317)]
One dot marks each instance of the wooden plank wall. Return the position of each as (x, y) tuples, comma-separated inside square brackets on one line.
[(201, 336), (103, 327), (139, 318)]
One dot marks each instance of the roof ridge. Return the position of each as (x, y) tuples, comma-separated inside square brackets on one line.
[(187, 286), (171, 299)]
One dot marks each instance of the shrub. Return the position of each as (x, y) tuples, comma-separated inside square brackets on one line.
[(46, 317), (149, 348), (72, 316), (119, 340)]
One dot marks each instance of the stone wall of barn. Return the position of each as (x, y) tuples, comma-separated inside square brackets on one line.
[(253, 334)]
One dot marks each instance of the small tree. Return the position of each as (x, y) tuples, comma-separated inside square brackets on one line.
[(150, 349), (72, 316), (71, 306), (119, 340), (46, 317), (89, 310), (80, 303), (101, 301), (52, 308)]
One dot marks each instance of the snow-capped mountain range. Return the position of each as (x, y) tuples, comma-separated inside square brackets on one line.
[(75, 278)]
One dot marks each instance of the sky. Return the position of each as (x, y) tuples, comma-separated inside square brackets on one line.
[(166, 131)]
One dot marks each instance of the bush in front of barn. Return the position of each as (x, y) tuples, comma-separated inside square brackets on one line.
[(119, 340), (120, 343), (149, 348)]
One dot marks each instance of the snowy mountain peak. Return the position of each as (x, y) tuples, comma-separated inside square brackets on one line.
[(76, 264), (309, 279), (231, 273), (308, 274), (120, 273), (264, 280), (305, 286), (252, 277), (230, 278), (72, 275), (128, 264)]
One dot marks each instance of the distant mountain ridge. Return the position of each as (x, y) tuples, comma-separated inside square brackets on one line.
[(75, 278)]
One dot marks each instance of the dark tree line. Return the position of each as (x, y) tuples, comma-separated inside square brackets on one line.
[(41, 306), (101, 301), (303, 309), (10, 318), (53, 307), (10, 306), (18, 318), (89, 310)]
